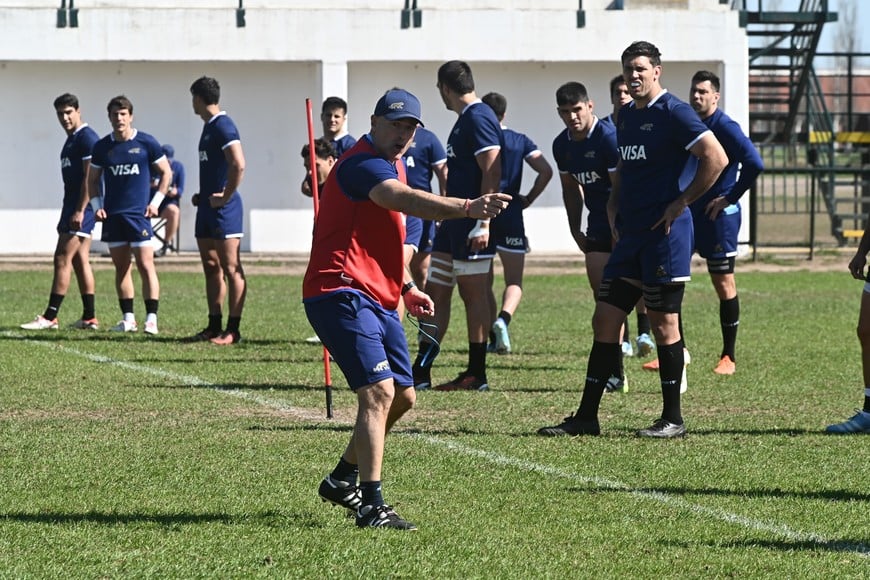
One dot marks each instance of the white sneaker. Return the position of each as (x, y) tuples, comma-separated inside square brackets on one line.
[(151, 327), (645, 345), (627, 349), (125, 326), (502, 340), (40, 323)]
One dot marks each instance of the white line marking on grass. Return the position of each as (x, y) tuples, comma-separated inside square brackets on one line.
[(669, 500), (186, 380), (496, 458)]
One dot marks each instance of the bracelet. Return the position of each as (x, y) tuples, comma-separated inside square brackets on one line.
[(407, 287), (467, 208)]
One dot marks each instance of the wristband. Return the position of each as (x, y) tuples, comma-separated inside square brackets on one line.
[(157, 199), (480, 228), (467, 208), (96, 203), (407, 287)]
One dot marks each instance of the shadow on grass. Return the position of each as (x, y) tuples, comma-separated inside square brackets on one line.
[(241, 387), (325, 425), (827, 495), (266, 518), (848, 546), (102, 335)]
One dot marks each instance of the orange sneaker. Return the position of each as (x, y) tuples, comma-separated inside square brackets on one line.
[(226, 338), (726, 366)]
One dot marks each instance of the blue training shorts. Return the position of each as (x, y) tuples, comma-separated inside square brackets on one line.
[(452, 238), (88, 221), (130, 228), (366, 340), (508, 230), (651, 256), (413, 231), (717, 238), (220, 223)]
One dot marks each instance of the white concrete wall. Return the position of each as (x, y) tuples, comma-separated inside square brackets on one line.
[(292, 50)]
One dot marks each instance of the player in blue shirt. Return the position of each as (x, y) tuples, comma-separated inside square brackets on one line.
[(462, 254), (333, 117), (73, 245), (716, 214), (508, 229), (124, 160), (219, 214), (652, 224), (424, 159), (169, 208)]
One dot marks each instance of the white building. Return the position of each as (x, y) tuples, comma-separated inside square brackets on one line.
[(152, 50)]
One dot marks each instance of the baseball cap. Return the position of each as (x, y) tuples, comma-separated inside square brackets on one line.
[(398, 104)]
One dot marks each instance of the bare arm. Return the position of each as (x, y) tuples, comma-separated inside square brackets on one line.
[(163, 184), (440, 172), (235, 172), (711, 161), (572, 198), (395, 195), (613, 200), (545, 173)]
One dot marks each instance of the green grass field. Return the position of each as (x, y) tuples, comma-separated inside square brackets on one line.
[(136, 457)]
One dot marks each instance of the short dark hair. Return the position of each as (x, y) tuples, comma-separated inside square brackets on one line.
[(207, 89), (456, 76), (67, 100), (120, 102), (332, 103), (571, 93), (705, 75), (615, 82), (497, 103), (323, 148), (642, 48)]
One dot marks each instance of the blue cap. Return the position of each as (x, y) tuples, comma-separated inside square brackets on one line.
[(168, 150), (398, 104)]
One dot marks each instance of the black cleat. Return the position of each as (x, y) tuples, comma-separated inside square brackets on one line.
[(663, 429), (382, 516), (571, 426), (422, 378), (340, 493)]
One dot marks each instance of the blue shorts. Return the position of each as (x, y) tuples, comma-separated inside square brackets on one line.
[(427, 236), (220, 223), (508, 230), (88, 221), (717, 238), (166, 202), (452, 238), (413, 231), (366, 340), (652, 257), (130, 228)]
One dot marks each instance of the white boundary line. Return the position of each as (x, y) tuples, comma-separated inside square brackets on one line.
[(496, 458)]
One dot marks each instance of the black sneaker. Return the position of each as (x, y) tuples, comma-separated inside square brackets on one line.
[(382, 516), (572, 426), (203, 335), (663, 429), (422, 378), (340, 493)]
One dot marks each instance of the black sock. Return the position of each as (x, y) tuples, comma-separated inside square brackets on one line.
[(371, 493), (233, 323), (671, 362), (346, 472), (626, 335), (88, 310), (491, 336), (867, 399), (477, 360), (729, 318), (603, 363), (426, 353), (126, 305), (54, 302), (643, 326), (151, 305), (506, 316), (215, 322)]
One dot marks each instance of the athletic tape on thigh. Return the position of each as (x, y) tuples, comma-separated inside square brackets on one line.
[(721, 265), (619, 293), (441, 272), (471, 267), (664, 297)]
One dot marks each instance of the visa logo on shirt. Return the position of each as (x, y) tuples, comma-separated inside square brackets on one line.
[(203, 156), (65, 162), (632, 152), (587, 177), (124, 169)]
